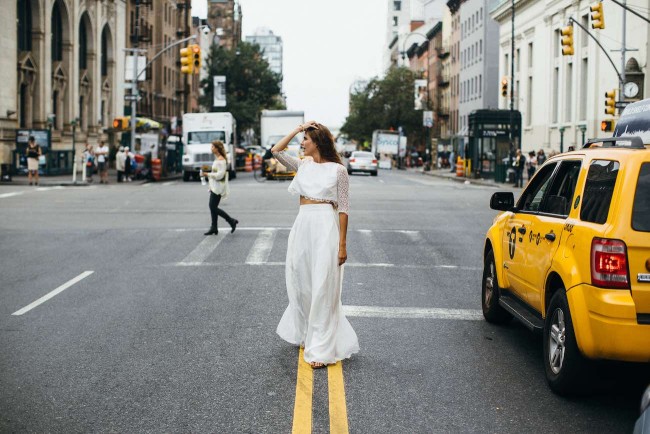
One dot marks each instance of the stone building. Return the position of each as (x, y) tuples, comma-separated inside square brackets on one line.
[(454, 74), (62, 69), (562, 98), (226, 15)]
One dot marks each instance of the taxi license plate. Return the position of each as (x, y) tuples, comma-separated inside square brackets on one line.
[(364, 167)]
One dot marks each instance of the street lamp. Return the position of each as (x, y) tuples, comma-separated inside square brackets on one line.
[(561, 129), (583, 128)]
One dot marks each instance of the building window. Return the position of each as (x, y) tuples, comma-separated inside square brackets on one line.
[(569, 95), (517, 59), (24, 26), (585, 24), (57, 34), (397, 5), (395, 21), (104, 55), (555, 107), (83, 46), (583, 88), (529, 102), (556, 43), (530, 54)]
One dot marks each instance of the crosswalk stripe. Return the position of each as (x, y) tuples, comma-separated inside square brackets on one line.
[(17, 193), (349, 265), (413, 312), (202, 251), (261, 250)]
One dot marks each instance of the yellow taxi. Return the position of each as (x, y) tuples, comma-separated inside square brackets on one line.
[(571, 258)]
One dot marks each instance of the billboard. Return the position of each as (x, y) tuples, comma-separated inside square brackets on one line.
[(420, 94), (219, 91)]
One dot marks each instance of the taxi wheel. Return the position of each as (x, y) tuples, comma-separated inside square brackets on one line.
[(492, 310), (564, 364)]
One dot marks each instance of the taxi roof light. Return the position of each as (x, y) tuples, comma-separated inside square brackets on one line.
[(609, 264)]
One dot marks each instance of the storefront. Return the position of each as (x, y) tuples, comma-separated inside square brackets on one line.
[(494, 135)]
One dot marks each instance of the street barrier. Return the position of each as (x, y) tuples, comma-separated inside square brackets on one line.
[(257, 162), (156, 168), (248, 165)]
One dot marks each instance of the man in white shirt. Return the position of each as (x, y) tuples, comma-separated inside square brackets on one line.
[(102, 162)]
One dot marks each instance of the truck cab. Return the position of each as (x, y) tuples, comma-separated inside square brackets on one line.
[(199, 131)]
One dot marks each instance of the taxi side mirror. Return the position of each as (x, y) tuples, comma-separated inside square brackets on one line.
[(502, 201)]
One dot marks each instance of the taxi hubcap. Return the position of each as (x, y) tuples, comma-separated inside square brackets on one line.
[(489, 285), (556, 341)]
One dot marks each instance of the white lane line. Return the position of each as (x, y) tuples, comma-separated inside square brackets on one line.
[(261, 250), (46, 297), (382, 181), (58, 187), (17, 193), (169, 183), (350, 264), (203, 250), (413, 312), (148, 184)]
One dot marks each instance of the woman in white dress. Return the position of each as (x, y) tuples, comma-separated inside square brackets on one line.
[(317, 250)]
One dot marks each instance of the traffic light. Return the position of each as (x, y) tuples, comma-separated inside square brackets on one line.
[(610, 102), (196, 58), (504, 86), (186, 60), (121, 123), (567, 41), (607, 125), (597, 16)]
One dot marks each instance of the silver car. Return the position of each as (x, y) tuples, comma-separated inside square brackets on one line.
[(361, 161)]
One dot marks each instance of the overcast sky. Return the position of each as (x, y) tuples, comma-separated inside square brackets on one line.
[(327, 45)]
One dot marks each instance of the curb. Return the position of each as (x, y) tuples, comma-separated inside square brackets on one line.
[(481, 182)]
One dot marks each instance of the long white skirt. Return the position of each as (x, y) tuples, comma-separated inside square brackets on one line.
[(314, 317)]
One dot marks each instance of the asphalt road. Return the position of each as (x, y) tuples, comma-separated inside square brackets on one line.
[(171, 332)]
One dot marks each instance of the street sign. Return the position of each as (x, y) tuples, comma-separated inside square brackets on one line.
[(132, 97), (621, 104), (427, 119)]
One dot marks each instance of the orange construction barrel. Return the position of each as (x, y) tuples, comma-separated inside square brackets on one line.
[(257, 162), (156, 168), (248, 166), (460, 167)]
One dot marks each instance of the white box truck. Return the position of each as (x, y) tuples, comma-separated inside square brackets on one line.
[(275, 124), (199, 130)]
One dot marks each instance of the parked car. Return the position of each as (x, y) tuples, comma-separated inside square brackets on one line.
[(571, 258), (362, 161), (642, 425)]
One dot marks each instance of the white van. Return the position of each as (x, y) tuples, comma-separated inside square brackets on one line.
[(199, 130)]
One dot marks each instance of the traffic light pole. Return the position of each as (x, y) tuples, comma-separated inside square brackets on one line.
[(618, 74), (134, 89)]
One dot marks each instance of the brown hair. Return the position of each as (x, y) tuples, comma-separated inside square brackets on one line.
[(220, 148), (324, 141)]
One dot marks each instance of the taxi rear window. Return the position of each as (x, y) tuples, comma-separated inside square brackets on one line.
[(599, 189), (641, 209)]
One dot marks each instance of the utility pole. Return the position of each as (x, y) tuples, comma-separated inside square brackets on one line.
[(134, 84), (186, 86), (512, 74), (623, 49)]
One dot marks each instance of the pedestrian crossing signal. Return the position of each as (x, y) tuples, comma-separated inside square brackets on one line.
[(121, 123), (607, 125)]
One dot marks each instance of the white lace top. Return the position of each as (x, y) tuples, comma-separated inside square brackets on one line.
[(322, 182)]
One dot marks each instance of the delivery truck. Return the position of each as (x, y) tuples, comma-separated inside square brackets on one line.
[(199, 131), (275, 124)]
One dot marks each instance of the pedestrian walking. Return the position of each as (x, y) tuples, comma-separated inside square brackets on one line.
[(531, 164), (89, 162), (518, 164), (317, 250), (120, 163), (101, 154), (34, 153), (128, 164), (452, 161), (541, 157), (219, 189)]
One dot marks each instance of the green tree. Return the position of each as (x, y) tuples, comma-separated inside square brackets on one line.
[(384, 104), (250, 85)]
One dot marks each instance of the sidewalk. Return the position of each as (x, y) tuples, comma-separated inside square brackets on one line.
[(446, 173), (66, 180)]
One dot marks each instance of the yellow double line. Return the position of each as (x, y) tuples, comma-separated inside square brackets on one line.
[(302, 409)]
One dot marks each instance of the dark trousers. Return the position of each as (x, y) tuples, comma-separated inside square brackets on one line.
[(519, 177), (215, 211)]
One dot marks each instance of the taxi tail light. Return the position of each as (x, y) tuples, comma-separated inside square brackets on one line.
[(374, 161), (353, 160), (609, 264)]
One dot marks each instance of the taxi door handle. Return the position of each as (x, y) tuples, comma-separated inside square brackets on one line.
[(550, 236), (522, 230)]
